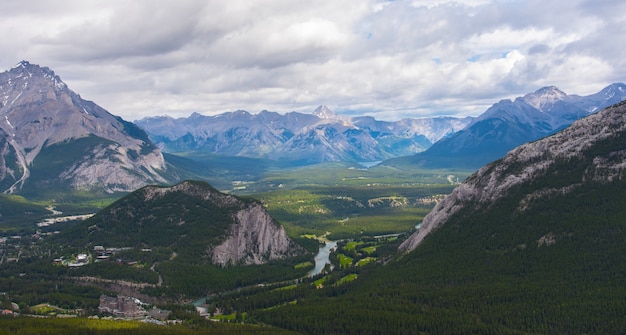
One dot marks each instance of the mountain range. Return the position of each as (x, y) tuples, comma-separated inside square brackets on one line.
[(507, 124), (441, 142), (51, 138), (304, 138)]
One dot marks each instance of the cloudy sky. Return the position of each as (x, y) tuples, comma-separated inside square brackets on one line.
[(389, 59)]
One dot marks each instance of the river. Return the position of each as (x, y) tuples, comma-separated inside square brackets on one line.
[(321, 259)]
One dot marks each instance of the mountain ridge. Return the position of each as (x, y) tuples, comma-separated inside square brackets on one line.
[(509, 123), (534, 159), (321, 136)]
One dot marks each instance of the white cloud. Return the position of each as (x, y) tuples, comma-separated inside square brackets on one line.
[(389, 58)]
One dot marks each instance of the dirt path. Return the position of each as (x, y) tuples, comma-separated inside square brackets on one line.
[(160, 281)]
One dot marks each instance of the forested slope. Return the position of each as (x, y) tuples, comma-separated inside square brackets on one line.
[(559, 269)]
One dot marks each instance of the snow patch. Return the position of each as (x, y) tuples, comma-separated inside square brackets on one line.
[(8, 122), (17, 97)]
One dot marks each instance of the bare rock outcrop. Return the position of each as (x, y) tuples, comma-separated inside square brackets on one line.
[(254, 238)]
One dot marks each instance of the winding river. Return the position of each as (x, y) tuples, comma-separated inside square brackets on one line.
[(321, 259)]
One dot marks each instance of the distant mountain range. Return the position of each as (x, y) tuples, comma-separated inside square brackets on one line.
[(322, 136), (52, 139), (507, 124), (304, 138)]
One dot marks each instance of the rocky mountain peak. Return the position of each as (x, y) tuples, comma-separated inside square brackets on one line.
[(40, 112), (508, 124), (545, 96), (26, 71), (593, 147), (323, 112), (616, 89)]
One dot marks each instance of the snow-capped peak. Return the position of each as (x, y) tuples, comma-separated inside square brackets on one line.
[(324, 112), (26, 70), (21, 64)]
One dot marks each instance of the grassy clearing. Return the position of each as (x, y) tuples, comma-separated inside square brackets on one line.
[(347, 279), (365, 261), (352, 245), (303, 265), (370, 250), (345, 261), (44, 309), (224, 317), (320, 281)]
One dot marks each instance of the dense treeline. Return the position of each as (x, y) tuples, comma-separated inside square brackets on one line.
[(183, 222), (64, 294), (79, 326), (19, 213), (198, 279), (558, 267)]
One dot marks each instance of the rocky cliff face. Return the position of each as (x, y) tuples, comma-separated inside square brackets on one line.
[(254, 238), (40, 114), (591, 149)]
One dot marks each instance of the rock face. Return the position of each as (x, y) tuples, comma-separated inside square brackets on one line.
[(84, 146), (307, 138), (254, 238), (591, 149), (196, 220), (508, 124)]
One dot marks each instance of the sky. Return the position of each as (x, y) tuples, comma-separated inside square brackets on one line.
[(387, 59)]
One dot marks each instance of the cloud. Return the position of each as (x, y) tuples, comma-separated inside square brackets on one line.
[(391, 59)]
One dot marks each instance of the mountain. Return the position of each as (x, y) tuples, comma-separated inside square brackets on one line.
[(507, 124), (530, 244), (591, 150), (193, 219), (305, 138), (51, 138)]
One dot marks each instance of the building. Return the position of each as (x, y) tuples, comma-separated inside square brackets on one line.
[(121, 306)]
